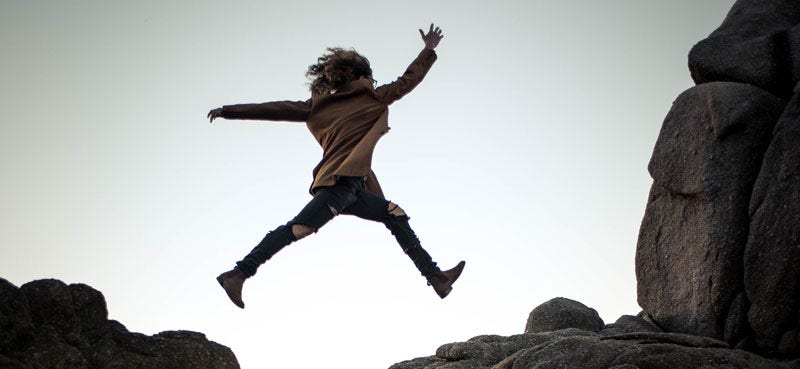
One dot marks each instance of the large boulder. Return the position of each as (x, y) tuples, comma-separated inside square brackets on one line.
[(561, 313), (49, 324), (757, 44), (694, 231), (772, 271)]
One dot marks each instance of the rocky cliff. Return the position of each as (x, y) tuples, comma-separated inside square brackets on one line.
[(47, 324), (717, 260), (719, 244)]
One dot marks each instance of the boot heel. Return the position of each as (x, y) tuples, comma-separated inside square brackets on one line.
[(442, 282)]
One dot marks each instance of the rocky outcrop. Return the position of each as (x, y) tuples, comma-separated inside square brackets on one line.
[(719, 244), (48, 324), (632, 342), (758, 44), (694, 231)]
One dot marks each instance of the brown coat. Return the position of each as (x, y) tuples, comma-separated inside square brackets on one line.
[(347, 123)]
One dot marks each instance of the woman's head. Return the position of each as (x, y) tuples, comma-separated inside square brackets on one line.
[(336, 68)]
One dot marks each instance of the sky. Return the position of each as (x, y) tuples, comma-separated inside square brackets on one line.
[(523, 152)]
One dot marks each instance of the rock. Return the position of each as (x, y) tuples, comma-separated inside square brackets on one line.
[(712, 133), (793, 364), (8, 363), (49, 324), (756, 44), (737, 330), (629, 324), (51, 307), (694, 231), (573, 348), (561, 313), (788, 345), (687, 340), (15, 317), (489, 350), (422, 362), (90, 309), (772, 272), (569, 352)]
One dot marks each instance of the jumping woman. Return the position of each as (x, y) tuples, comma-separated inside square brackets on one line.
[(347, 115)]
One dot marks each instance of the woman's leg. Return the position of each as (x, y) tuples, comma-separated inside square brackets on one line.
[(326, 204), (375, 208)]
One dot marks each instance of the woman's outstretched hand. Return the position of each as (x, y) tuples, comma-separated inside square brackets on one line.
[(214, 114), (432, 38)]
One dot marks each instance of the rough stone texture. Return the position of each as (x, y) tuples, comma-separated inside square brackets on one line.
[(574, 348), (15, 317), (756, 44), (561, 313), (48, 324), (694, 231), (630, 324), (772, 257)]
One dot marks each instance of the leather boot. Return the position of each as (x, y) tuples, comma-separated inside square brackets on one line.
[(442, 282), (232, 282)]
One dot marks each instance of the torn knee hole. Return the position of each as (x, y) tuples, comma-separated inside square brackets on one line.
[(301, 231), (395, 210)]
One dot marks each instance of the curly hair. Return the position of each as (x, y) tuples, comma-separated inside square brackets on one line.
[(336, 68)]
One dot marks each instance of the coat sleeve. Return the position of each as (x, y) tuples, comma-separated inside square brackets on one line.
[(293, 111), (392, 92)]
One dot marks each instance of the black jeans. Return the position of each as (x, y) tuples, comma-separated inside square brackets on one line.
[(347, 196)]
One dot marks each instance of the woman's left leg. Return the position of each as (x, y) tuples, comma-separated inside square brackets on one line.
[(375, 208), (372, 207)]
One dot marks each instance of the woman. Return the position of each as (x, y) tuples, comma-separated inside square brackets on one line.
[(347, 115)]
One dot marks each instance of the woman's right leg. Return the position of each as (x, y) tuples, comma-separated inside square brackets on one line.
[(325, 205)]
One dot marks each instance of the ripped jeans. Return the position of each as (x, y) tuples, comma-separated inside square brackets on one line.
[(347, 196)]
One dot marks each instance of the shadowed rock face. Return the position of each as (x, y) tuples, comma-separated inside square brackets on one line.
[(694, 231), (772, 256), (719, 244), (51, 325)]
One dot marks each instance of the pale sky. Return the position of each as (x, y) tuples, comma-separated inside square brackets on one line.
[(524, 152)]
